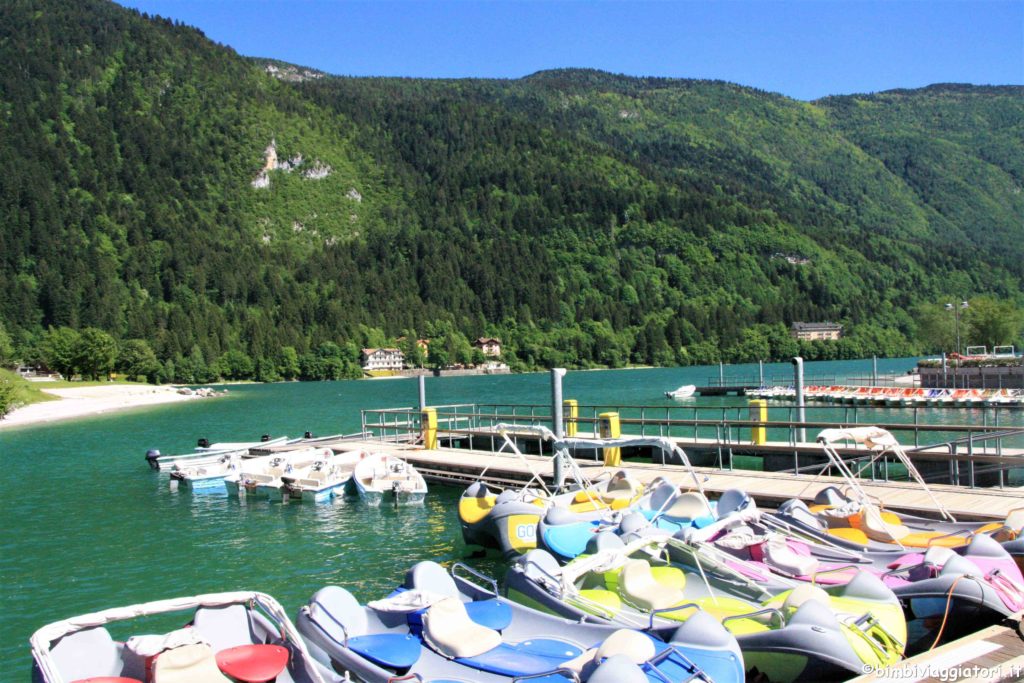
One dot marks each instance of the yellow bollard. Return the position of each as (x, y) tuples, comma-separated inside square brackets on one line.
[(609, 428), (570, 413), (428, 425), (758, 413)]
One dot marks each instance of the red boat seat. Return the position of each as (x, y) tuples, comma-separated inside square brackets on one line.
[(253, 663)]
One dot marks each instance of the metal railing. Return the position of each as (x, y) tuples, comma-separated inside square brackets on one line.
[(727, 429)]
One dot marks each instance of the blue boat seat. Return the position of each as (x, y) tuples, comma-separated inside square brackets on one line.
[(522, 659), (490, 613), (389, 650)]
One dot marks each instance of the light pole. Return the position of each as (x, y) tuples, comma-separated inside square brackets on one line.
[(956, 321)]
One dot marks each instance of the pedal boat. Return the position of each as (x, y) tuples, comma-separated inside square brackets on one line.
[(853, 519), (510, 520), (796, 635), (440, 626), (980, 581), (228, 635), (381, 474)]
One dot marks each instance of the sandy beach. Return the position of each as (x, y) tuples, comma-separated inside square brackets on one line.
[(82, 401)]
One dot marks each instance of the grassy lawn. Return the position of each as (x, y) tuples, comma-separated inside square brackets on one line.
[(25, 392)]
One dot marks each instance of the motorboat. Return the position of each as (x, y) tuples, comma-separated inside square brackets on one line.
[(441, 625), (209, 475), (685, 391), (379, 474), (323, 479), (802, 633), (263, 477), (229, 636), (207, 453)]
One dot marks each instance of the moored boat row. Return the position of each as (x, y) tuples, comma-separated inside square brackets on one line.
[(895, 396)]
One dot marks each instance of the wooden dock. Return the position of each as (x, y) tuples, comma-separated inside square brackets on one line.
[(992, 654), (461, 467)]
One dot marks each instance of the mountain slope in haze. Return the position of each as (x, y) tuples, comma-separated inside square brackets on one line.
[(584, 217)]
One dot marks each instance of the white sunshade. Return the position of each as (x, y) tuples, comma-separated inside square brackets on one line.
[(872, 437)]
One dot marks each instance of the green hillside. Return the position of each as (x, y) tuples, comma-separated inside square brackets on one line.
[(583, 217)]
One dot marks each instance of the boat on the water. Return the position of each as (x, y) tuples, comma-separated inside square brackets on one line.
[(513, 520), (441, 626), (207, 453), (787, 631), (206, 475), (263, 477), (685, 391), (228, 637), (382, 474), (851, 518), (323, 479)]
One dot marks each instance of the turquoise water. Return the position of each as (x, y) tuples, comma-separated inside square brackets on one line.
[(88, 526)]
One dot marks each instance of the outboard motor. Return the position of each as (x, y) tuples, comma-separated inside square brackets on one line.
[(307, 435), (203, 443), (151, 458), (265, 437)]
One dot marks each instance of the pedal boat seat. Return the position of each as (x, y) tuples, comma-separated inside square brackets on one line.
[(188, 664), (638, 585), (449, 631), (430, 576), (339, 616)]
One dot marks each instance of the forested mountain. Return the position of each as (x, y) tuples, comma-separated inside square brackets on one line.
[(582, 217)]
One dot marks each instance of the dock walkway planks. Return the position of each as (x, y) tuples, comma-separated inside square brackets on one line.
[(461, 467), (993, 654)]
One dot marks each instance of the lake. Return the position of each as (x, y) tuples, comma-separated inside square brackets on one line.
[(87, 525)]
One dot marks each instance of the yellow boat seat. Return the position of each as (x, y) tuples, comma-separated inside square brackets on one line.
[(474, 508)]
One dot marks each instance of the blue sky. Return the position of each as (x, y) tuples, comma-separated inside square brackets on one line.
[(801, 48)]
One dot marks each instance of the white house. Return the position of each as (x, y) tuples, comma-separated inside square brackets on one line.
[(383, 359)]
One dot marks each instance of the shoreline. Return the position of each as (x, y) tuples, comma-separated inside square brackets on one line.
[(77, 402)]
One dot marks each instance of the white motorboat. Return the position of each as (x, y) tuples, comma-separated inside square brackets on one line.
[(206, 475), (685, 391), (323, 479), (262, 477), (207, 453), (381, 474)]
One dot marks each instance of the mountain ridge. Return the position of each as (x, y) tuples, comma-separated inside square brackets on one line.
[(583, 216)]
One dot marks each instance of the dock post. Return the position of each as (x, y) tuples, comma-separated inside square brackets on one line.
[(721, 374), (570, 415), (758, 413), (423, 392), (428, 423), (609, 427), (760, 374), (556, 424), (798, 384), (874, 371)]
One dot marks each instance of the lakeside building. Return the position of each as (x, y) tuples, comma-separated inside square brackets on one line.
[(816, 331), (490, 346), (383, 359)]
